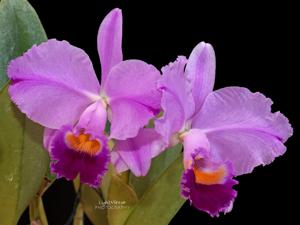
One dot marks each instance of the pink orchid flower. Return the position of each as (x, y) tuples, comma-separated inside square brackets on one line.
[(225, 133), (55, 85)]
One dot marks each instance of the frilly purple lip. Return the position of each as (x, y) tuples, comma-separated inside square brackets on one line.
[(212, 198), (68, 162)]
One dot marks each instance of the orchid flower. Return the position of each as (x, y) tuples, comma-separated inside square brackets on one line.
[(225, 133), (55, 85)]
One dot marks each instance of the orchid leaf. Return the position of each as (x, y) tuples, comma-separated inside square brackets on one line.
[(23, 161), (106, 181), (92, 204), (121, 201), (20, 28), (162, 199), (158, 166)]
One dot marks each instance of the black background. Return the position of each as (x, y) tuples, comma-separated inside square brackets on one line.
[(255, 47)]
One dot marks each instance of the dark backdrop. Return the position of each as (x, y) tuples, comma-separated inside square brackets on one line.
[(254, 47)]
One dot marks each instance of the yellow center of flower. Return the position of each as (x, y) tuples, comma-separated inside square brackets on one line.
[(83, 143), (210, 177)]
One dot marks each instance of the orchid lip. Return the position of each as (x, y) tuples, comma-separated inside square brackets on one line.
[(77, 151), (83, 143), (207, 177)]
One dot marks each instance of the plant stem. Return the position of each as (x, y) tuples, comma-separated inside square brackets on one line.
[(79, 216), (37, 211), (43, 217)]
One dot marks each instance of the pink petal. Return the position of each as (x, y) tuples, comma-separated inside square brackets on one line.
[(177, 101), (127, 118), (110, 42), (134, 80), (48, 137), (118, 162), (242, 129), (131, 90), (93, 119), (200, 71), (137, 152), (53, 83)]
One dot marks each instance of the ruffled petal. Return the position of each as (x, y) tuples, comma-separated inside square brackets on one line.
[(94, 168), (137, 152), (177, 101), (65, 162), (212, 199), (53, 83), (207, 184), (200, 71), (68, 162), (110, 42), (48, 137), (242, 129)]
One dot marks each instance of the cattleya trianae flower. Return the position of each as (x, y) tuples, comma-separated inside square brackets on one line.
[(225, 133), (55, 85)]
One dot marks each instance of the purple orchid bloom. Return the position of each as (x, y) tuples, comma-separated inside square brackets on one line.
[(225, 133), (55, 85)]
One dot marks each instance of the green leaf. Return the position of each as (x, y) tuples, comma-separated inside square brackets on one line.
[(162, 200), (105, 184), (106, 181), (20, 28), (158, 166), (121, 201), (92, 205), (23, 161)]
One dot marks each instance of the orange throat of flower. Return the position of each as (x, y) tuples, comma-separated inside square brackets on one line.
[(210, 177), (83, 143)]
